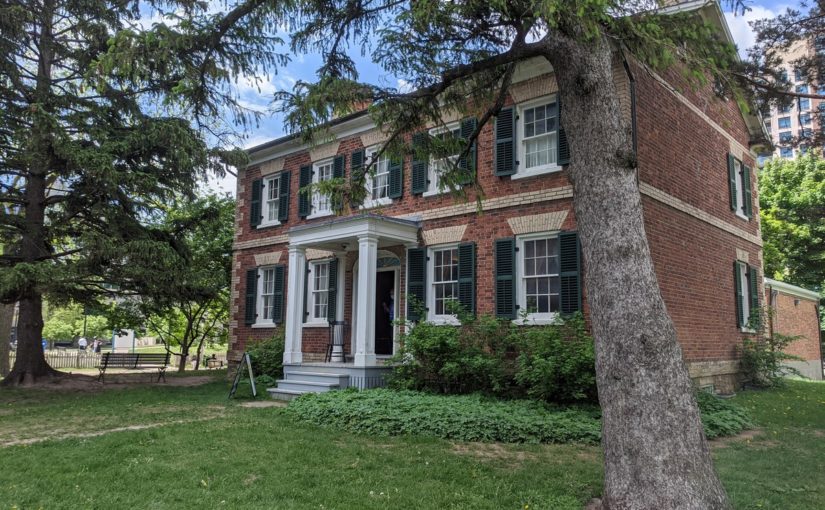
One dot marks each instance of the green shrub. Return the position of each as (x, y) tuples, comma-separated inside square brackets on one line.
[(721, 417), (554, 363), (264, 381), (388, 412), (268, 356), (764, 360)]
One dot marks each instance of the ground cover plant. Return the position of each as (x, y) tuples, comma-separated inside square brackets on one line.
[(261, 458), (385, 412)]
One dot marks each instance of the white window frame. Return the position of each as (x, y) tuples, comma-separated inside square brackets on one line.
[(311, 319), (370, 202), (265, 201), (317, 198), (521, 291), (434, 187), (444, 319), (522, 172), (739, 170), (261, 321), (744, 282)]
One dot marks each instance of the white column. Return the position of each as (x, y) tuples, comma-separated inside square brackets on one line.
[(365, 323), (295, 305)]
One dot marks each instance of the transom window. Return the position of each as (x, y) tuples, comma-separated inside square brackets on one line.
[(378, 183), (320, 201), (439, 166), (445, 279), (267, 293), (319, 294), (540, 276), (272, 188)]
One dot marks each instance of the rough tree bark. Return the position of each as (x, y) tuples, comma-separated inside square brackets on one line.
[(30, 362), (6, 321), (656, 455)]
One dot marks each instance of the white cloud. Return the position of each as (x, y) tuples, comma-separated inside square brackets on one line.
[(403, 86), (740, 27)]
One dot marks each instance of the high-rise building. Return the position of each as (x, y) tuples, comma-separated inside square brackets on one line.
[(803, 116)]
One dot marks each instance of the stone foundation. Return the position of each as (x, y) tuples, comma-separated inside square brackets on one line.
[(723, 376)]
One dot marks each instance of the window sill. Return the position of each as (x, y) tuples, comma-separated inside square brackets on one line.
[(749, 331), (381, 202), (537, 321), (533, 172), (269, 224), (264, 325), (444, 320), (321, 214), (433, 193), (742, 216), (316, 324)]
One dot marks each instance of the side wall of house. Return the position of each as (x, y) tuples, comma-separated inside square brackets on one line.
[(796, 316)]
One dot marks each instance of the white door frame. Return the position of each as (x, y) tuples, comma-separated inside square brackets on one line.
[(396, 284)]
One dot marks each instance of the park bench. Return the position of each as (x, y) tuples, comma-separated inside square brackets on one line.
[(134, 361)]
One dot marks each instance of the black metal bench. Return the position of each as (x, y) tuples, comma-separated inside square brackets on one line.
[(134, 361)]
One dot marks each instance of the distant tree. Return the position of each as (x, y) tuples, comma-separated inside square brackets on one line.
[(103, 120), (67, 323), (792, 208)]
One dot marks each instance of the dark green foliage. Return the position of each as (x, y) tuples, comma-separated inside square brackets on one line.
[(387, 412), (268, 356), (722, 417), (552, 363), (265, 381), (764, 360)]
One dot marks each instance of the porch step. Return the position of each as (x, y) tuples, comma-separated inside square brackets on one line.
[(285, 395), (307, 386), (342, 380)]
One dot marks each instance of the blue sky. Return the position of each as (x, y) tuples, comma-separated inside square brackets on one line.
[(257, 92)]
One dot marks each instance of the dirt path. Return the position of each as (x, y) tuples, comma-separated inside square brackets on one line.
[(86, 383)]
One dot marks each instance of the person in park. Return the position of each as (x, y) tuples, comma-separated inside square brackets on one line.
[(82, 343)]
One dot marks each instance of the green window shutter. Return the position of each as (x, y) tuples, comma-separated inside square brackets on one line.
[(467, 276), (396, 178), (304, 180), (505, 144), (569, 273), (332, 295), (746, 192), (732, 181), (419, 166), (255, 203), (306, 291), (505, 277), (416, 281), (753, 280), (250, 314), (338, 163), (356, 172), (468, 164), (283, 197), (278, 298), (740, 298), (563, 157)]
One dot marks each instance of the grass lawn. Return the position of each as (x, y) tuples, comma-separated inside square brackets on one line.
[(200, 450)]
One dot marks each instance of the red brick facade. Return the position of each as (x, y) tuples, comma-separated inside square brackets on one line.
[(694, 236), (795, 312)]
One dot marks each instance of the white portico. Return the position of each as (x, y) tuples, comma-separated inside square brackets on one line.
[(365, 233)]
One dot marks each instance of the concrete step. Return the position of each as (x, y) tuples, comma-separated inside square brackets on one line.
[(342, 380), (320, 368), (285, 395), (306, 386)]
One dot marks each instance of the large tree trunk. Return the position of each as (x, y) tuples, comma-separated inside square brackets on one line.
[(6, 321), (656, 454), (30, 363)]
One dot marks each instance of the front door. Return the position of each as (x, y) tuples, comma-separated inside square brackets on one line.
[(384, 312)]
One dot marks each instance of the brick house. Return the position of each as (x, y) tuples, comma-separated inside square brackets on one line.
[(333, 282), (794, 311)]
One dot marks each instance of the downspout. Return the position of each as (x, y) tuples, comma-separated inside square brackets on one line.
[(632, 81)]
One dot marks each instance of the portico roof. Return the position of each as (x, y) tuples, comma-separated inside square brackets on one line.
[(342, 233)]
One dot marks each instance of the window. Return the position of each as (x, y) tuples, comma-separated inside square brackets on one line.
[(762, 159), (803, 149), (746, 280), (785, 108), (783, 75), (378, 185), (264, 299), (785, 152), (322, 171), (537, 135), (806, 133), (318, 291), (444, 263), (797, 74), (272, 190), (267, 293), (804, 104), (437, 167), (805, 119), (785, 136), (539, 277), (784, 122), (740, 187)]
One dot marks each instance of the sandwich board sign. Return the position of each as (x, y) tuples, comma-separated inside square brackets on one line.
[(248, 362)]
